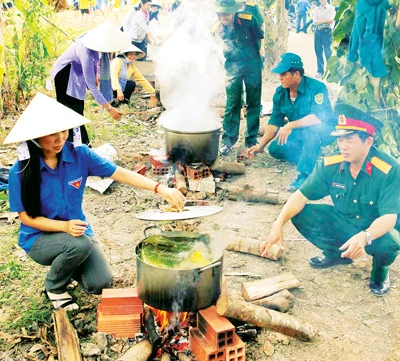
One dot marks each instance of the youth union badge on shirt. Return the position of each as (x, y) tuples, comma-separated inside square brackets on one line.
[(76, 183), (319, 98)]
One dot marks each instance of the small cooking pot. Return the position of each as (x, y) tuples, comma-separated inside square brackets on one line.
[(177, 290), (192, 147)]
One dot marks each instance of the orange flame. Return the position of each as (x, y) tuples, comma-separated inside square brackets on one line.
[(163, 317)]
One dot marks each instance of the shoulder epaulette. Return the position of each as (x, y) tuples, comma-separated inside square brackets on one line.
[(333, 159), (381, 165), (245, 16), (215, 26), (250, 3)]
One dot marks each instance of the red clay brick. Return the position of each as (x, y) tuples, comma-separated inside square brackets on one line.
[(120, 297), (120, 310), (202, 349), (217, 329), (140, 168), (237, 351)]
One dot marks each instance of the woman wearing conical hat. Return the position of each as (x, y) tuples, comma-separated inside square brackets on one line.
[(46, 187), (77, 70)]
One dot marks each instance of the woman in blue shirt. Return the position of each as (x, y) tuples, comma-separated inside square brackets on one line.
[(46, 189)]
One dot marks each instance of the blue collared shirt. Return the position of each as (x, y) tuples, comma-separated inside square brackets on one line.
[(61, 190)]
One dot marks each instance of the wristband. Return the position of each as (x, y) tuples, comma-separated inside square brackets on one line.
[(156, 187)]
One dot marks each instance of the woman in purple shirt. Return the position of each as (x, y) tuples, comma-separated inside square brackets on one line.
[(46, 188), (76, 70)]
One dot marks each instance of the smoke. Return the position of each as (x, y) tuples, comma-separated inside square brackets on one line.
[(190, 70)]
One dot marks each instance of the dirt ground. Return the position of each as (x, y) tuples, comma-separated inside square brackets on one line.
[(353, 324)]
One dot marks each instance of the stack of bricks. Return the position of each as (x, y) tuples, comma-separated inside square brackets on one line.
[(160, 165), (120, 312), (215, 339)]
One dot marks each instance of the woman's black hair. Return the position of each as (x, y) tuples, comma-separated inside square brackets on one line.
[(30, 181), (144, 1)]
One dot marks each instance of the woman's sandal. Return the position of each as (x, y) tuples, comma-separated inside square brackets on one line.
[(63, 300)]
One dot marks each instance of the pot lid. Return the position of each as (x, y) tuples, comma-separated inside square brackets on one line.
[(189, 212)]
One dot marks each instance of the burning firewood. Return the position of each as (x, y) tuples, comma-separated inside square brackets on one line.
[(138, 352), (180, 182), (149, 321), (252, 246), (262, 317)]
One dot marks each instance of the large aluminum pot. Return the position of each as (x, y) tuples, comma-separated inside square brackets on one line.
[(178, 290), (192, 147)]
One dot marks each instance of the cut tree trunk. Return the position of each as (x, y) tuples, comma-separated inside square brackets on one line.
[(250, 194), (66, 337), (262, 317), (253, 246), (138, 352), (222, 166), (282, 301), (255, 290)]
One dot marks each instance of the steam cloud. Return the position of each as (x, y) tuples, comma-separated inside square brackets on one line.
[(190, 70)]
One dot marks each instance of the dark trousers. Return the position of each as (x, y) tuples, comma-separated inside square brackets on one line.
[(129, 88), (328, 230), (303, 146), (322, 45), (142, 46), (249, 72), (301, 19), (77, 105)]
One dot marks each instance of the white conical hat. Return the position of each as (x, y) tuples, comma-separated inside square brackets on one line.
[(43, 116), (133, 49), (106, 38)]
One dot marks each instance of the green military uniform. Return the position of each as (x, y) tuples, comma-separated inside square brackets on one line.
[(356, 204), (253, 8), (243, 64), (304, 144)]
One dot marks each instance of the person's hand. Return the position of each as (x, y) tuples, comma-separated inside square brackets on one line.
[(76, 227), (253, 150), (120, 95), (97, 80), (115, 113), (354, 247), (283, 134), (275, 237), (152, 102), (172, 196)]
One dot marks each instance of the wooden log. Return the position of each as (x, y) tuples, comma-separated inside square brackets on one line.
[(262, 288), (282, 301), (149, 321), (138, 352), (180, 182), (228, 167), (165, 357), (248, 193), (253, 246), (66, 337), (262, 317), (183, 357)]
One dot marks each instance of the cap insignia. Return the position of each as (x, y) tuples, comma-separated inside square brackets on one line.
[(342, 120)]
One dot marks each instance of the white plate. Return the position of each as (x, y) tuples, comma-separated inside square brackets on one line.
[(189, 212)]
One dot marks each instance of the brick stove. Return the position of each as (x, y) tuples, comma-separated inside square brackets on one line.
[(212, 337)]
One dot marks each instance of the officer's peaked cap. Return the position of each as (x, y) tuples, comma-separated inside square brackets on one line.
[(351, 119), (288, 61)]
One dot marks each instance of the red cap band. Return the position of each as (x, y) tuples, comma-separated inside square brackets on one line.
[(354, 124)]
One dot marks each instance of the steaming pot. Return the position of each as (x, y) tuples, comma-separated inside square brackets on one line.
[(176, 290), (192, 147)]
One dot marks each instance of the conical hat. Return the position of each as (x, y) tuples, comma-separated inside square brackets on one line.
[(43, 116), (106, 38), (133, 49)]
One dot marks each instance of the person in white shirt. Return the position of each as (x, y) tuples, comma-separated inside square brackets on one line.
[(324, 16)]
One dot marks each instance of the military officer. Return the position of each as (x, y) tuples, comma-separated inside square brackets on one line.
[(301, 120), (241, 34), (364, 185)]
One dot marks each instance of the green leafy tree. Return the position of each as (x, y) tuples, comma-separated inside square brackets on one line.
[(377, 96), (29, 44)]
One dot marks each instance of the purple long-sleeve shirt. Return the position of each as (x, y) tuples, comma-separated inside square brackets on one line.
[(83, 71)]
